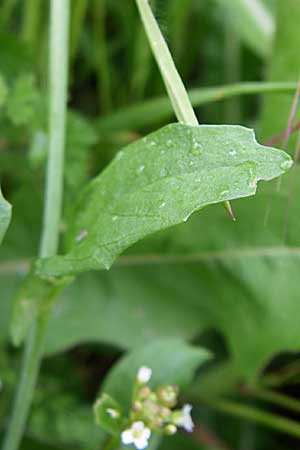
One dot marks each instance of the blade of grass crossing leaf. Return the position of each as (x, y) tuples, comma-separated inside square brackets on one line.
[(174, 85)]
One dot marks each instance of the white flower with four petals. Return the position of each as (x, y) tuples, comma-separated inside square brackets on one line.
[(137, 434)]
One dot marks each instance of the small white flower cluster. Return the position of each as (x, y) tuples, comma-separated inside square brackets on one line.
[(152, 411)]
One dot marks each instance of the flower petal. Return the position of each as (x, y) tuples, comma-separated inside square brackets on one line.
[(127, 437), (141, 443), (146, 433)]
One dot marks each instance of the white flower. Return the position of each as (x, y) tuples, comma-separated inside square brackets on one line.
[(138, 435), (185, 420), (144, 374), (113, 413)]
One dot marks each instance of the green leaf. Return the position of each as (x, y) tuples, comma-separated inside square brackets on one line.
[(208, 273), (171, 360), (5, 216), (103, 408), (157, 182)]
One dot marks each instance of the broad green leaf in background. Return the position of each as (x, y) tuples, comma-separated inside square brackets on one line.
[(172, 362), (253, 21), (5, 215), (157, 182), (284, 64), (193, 278)]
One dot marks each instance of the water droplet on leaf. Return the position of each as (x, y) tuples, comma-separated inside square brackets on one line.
[(286, 165)]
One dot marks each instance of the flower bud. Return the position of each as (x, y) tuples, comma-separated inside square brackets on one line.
[(144, 374), (168, 395), (170, 429), (144, 392)]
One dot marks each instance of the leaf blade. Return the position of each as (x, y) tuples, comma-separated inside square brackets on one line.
[(158, 182)]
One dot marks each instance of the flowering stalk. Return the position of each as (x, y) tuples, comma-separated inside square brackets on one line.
[(151, 412)]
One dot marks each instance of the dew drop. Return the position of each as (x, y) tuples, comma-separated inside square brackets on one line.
[(114, 218), (120, 154), (141, 168), (162, 205), (286, 165), (197, 147), (81, 235), (233, 153), (224, 193), (169, 143)]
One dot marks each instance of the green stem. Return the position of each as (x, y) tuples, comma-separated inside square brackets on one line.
[(78, 13), (31, 21), (6, 11), (174, 85), (57, 119), (103, 75), (59, 24), (256, 415), (276, 398), (159, 109), (232, 71)]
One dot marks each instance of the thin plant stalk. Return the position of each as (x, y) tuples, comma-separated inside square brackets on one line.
[(78, 14), (232, 71), (174, 85), (252, 414), (150, 112), (59, 29), (103, 72)]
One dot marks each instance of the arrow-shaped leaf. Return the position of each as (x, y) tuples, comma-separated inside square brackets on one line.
[(157, 182)]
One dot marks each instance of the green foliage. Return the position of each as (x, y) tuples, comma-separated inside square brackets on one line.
[(21, 108), (158, 182), (213, 272), (179, 287)]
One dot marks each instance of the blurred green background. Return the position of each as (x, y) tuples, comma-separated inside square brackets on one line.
[(230, 287)]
